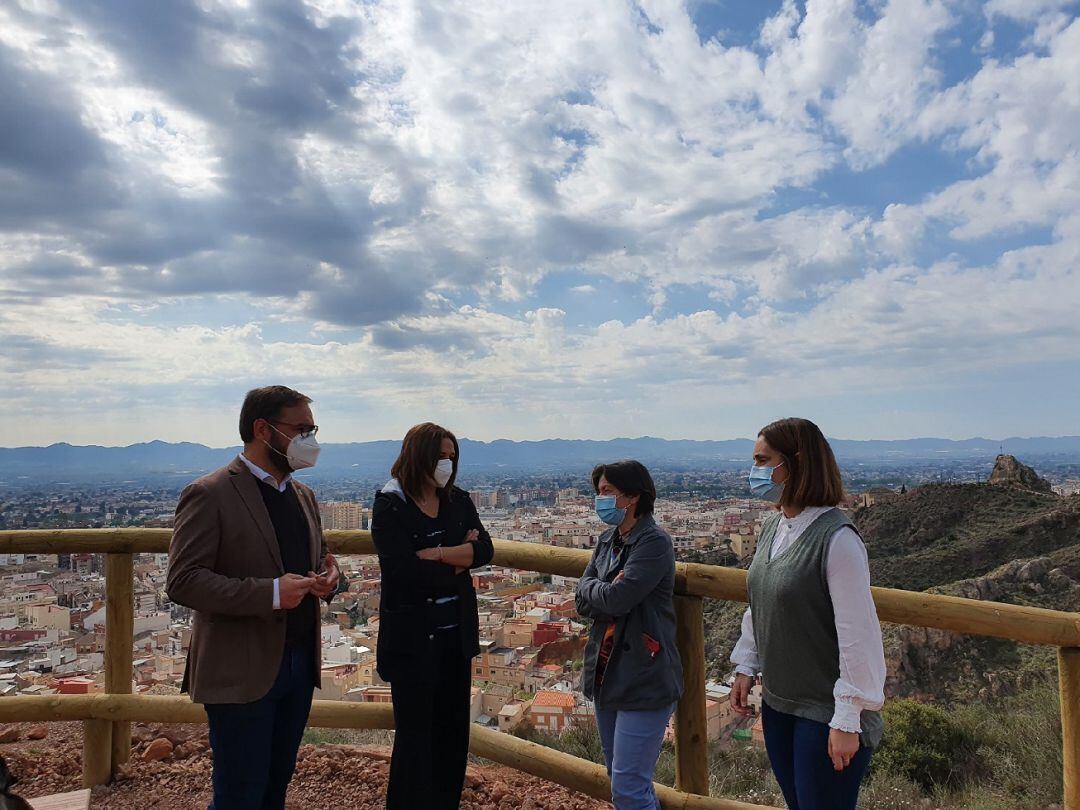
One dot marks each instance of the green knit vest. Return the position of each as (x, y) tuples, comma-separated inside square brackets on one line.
[(794, 624)]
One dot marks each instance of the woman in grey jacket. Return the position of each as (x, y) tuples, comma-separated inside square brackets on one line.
[(632, 670)]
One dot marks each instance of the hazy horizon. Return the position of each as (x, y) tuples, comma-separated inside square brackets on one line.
[(561, 439)]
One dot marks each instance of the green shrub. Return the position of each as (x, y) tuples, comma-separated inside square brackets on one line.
[(926, 745)]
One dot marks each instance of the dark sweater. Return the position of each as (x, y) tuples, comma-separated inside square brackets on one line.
[(409, 615), (291, 528)]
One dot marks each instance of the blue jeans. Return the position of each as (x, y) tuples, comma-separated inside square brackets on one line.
[(631, 742), (255, 744), (799, 753)]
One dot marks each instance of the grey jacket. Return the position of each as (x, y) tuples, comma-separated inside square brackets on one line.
[(641, 606)]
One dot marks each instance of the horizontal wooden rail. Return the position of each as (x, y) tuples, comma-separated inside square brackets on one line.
[(85, 541), (579, 774), (546, 763), (173, 709), (1029, 625)]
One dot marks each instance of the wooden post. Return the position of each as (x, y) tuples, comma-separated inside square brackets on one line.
[(691, 724), (97, 751), (1069, 683), (119, 635)]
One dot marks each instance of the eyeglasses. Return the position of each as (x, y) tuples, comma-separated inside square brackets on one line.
[(303, 431)]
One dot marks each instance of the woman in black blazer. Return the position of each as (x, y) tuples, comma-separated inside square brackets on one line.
[(427, 535)]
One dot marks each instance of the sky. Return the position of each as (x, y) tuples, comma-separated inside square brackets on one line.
[(540, 219)]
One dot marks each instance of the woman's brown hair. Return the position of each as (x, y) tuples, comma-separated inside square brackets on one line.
[(813, 475), (420, 452)]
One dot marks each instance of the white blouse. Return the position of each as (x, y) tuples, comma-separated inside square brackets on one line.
[(861, 685)]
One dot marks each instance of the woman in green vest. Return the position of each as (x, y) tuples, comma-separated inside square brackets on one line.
[(811, 630)]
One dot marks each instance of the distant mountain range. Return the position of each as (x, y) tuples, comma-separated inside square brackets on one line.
[(66, 462)]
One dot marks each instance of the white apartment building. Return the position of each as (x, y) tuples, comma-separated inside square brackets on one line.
[(347, 515)]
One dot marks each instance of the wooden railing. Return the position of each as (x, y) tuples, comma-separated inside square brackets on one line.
[(107, 718)]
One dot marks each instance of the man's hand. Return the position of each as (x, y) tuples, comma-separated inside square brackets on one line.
[(325, 584), (843, 745), (740, 694), (433, 553), (292, 588), (472, 535)]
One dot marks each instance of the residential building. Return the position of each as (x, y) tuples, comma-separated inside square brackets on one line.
[(513, 714), (343, 515), (552, 711), (49, 616), (743, 545)]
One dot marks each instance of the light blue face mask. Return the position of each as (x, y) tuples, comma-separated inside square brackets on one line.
[(608, 512), (762, 485)]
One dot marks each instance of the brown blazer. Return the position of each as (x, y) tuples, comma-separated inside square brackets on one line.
[(223, 560)]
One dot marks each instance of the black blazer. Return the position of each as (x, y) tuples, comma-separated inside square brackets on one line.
[(411, 585)]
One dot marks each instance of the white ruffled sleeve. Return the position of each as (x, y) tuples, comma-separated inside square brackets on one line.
[(861, 685)]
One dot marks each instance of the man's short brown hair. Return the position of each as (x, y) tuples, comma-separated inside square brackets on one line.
[(266, 403), (813, 474)]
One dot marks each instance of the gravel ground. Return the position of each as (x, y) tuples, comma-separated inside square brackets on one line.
[(327, 776)]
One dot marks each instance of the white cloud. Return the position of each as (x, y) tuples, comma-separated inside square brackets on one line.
[(881, 98), (1021, 121), (386, 196), (1026, 10)]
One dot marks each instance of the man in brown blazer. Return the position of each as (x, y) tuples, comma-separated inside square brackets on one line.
[(249, 557)]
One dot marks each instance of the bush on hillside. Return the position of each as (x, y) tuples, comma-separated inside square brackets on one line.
[(925, 745)]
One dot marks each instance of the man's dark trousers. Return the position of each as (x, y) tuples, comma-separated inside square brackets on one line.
[(255, 744)]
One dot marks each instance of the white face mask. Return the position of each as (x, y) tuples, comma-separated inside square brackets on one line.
[(443, 470), (301, 452)]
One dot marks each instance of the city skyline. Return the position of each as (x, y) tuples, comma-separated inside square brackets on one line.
[(670, 219)]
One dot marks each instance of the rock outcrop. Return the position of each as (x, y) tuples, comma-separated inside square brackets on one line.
[(933, 663), (1009, 471)]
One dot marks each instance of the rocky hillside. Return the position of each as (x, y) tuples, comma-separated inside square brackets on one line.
[(944, 533), (937, 663)]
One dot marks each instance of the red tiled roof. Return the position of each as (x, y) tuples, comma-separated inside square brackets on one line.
[(563, 700)]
